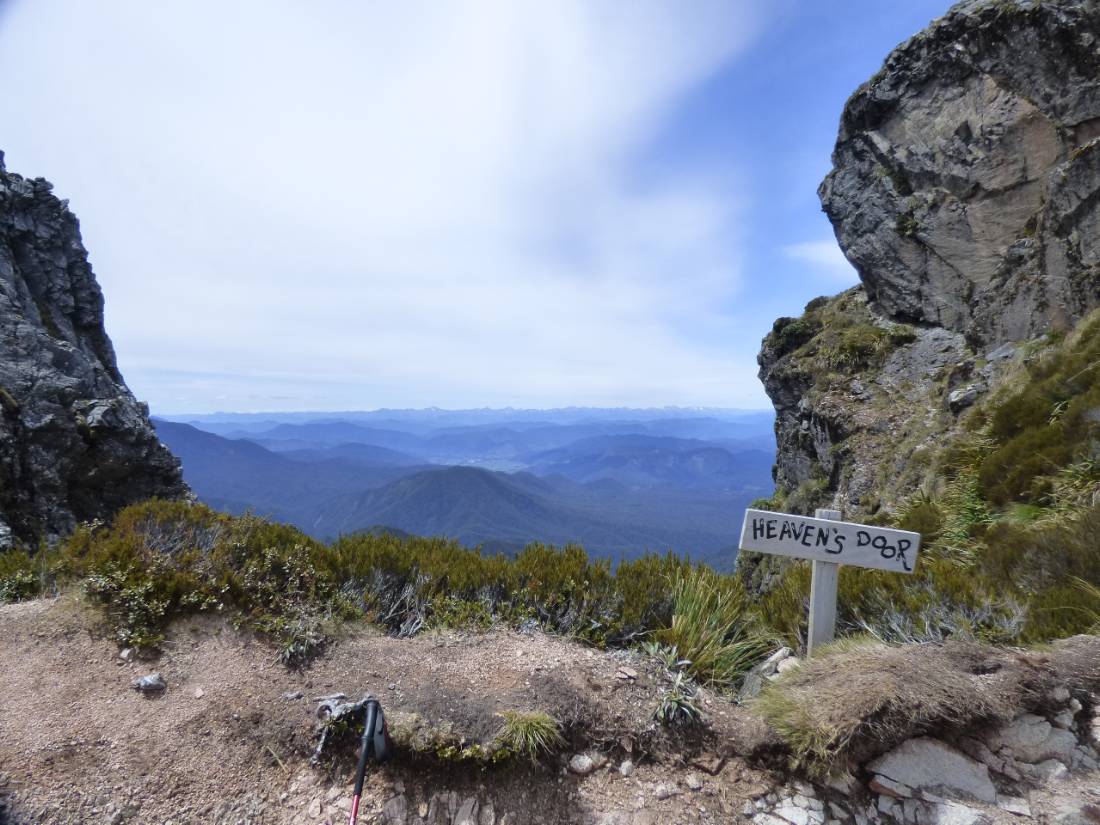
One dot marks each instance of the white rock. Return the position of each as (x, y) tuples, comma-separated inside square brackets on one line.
[(790, 663), (663, 791), (626, 768), (581, 764), (772, 662), (1033, 739), (693, 781), (927, 763), (1060, 695)]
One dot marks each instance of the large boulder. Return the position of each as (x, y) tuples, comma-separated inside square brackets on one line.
[(967, 171), (965, 190), (75, 444)]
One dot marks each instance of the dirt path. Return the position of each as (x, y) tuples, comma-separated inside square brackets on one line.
[(223, 745)]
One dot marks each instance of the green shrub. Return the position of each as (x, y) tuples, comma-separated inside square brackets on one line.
[(788, 334), (19, 576)]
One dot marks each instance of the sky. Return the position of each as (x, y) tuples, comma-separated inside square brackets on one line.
[(352, 205)]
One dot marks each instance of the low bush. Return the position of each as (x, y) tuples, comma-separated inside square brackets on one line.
[(161, 560)]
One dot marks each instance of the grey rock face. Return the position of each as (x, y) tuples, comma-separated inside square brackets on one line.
[(966, 179), (75, 444), (966, 191)]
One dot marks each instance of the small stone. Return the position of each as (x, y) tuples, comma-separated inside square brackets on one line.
[(314, 808), (693, 782), (199, 693), (127, 654), (787, 664), (627, 673), (581, 764), (291, 695), (626, 768), (663, 791), (150, 684)]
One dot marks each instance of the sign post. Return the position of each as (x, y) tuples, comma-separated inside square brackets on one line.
[(828, 543), (824, 577)]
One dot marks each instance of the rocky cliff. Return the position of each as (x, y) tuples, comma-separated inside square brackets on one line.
[(966, 191), (74, 443)]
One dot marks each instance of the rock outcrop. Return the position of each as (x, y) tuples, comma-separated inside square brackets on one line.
[(966, 173), (75, 445), (966, 192)]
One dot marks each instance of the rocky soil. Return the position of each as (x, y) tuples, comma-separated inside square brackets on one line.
[(229, 739), (74, 443)]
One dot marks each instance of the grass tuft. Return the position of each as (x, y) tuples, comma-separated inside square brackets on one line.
[(530, 734)]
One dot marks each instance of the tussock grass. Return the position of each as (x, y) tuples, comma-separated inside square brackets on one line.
[(857, 701), (530, 733), (714, 630)]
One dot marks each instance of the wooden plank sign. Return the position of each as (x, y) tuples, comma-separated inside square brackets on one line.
[(822, 539), (828, 542)]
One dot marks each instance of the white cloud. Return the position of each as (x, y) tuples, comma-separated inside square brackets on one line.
[(355, 205), (825, 259)]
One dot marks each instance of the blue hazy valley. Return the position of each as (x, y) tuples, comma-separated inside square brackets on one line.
[(619, 481)]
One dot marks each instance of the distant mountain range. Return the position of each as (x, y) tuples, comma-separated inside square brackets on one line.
[(619, 486)]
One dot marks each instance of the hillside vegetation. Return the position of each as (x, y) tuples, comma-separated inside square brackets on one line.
[(1010, 513)]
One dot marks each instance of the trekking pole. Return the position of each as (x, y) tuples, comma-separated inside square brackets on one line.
[(374, 742)]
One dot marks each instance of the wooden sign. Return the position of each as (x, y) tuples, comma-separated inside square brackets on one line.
[(828, 542), (838, 542)]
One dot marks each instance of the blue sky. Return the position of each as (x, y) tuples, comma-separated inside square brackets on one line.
[(341, 205)]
